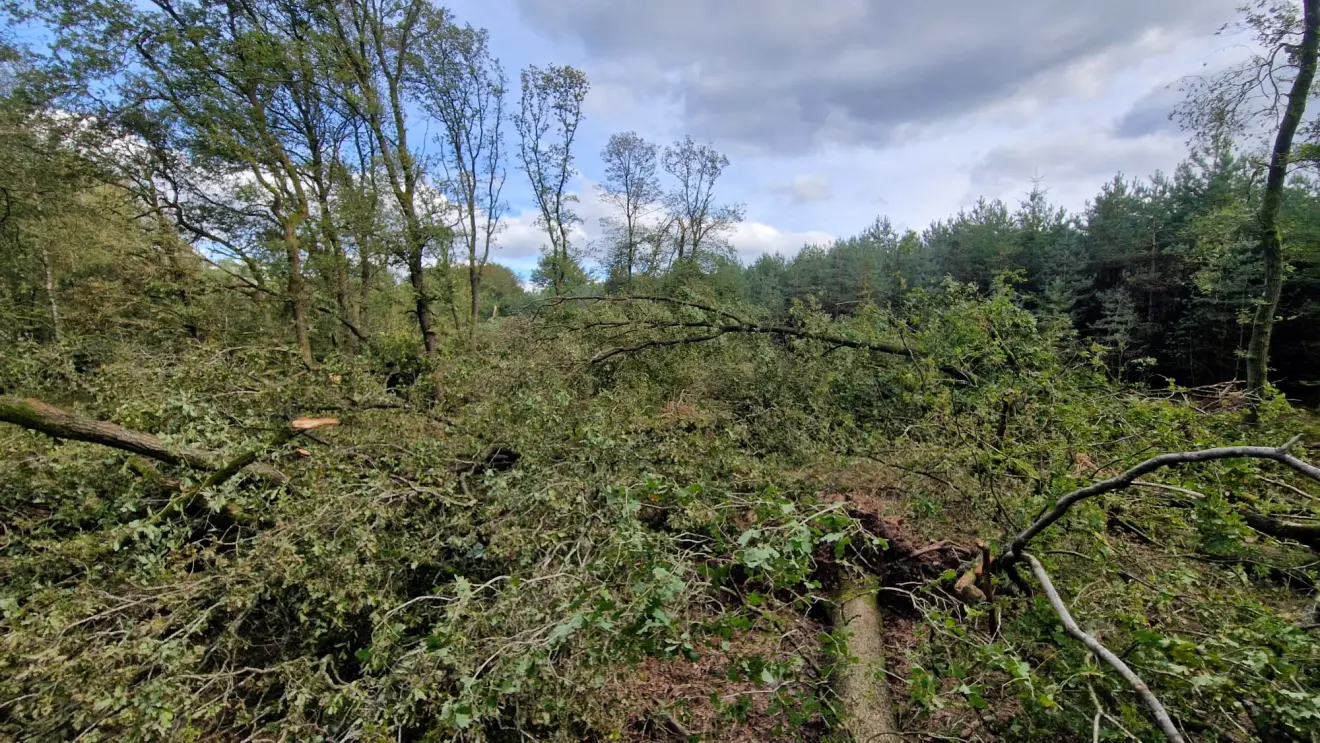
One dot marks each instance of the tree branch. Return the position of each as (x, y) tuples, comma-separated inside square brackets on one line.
[(37, 416), (1126, 479), (1103, 653)]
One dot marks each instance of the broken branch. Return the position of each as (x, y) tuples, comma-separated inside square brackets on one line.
[(37, 416), (1127, 479), (1103, 653)]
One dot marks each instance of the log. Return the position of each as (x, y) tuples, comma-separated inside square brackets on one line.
[(860, 681), (35, 415)]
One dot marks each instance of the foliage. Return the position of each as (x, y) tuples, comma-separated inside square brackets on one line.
[(578, 514)]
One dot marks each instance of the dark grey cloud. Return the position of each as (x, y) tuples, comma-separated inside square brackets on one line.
[(1150, 114), (787, 75)]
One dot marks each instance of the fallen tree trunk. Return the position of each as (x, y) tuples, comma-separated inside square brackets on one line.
[(35, 415), (1307, 534), (38, 416), (720, 323), (860, 681)]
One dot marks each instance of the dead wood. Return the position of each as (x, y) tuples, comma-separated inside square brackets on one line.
[(860, 682)]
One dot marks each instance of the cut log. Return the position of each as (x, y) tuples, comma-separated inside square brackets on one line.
[(860, 681)]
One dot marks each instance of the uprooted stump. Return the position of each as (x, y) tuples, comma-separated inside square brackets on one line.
[(860, 681)]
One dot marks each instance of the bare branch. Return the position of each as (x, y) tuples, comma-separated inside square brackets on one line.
[(1128, 478), (1103, 653)]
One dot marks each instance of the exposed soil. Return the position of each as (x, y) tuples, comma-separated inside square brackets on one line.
[(709, 698)]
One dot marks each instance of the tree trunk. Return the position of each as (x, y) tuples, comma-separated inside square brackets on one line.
[(860, 681), (343, 300), (296, 292), (1271, 240), (417, 276), (474, 282), (346, 307), (48, 270), (364, 298)]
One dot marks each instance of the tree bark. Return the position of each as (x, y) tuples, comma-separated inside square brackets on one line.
[(860, 681), (1271, 239), (297, 294)]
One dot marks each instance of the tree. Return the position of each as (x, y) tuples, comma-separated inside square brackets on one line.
[(373, 43), (547, 121), (1247, 101), (633, 188), (699, 223), (208, 67), (463, 86)]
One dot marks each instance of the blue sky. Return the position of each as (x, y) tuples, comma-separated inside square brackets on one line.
[(836, 112)]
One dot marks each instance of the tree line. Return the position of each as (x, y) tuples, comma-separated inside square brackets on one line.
[(344, 163), (1164, 272)]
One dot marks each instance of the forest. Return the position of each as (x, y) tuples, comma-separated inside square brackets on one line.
[(287, 454)]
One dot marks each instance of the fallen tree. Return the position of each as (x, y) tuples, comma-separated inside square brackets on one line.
[(718, 323), (860, 680), (38, 416)]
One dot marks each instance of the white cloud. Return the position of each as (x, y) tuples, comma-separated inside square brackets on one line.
[(805, 189), (521, 239), (752, 240), (1072, 164)]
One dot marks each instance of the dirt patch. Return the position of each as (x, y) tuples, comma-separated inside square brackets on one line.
[(712, 697)]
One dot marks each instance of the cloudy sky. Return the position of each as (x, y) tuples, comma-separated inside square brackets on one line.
[(834, 112)]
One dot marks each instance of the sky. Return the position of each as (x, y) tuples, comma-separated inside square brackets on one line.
[(835, 112)]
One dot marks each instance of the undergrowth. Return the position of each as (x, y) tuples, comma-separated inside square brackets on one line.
[(683, 505)]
